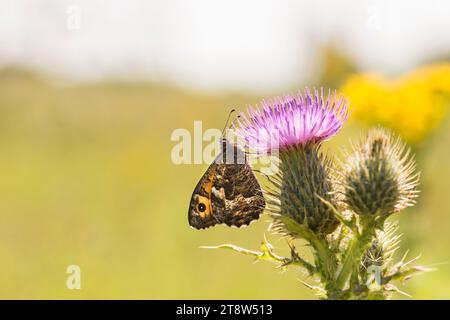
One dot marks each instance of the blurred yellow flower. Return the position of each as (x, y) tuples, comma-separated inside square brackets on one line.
[(413, 105)]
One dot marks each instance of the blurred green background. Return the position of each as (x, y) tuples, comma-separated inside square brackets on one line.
[(87, 179), (91, 91)]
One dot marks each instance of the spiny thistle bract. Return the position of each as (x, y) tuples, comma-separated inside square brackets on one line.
[(305, 196), (378, 178), (303, 179)]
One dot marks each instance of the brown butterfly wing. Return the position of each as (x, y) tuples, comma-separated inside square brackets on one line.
[(200, 214), (237, 198), (227, 193)]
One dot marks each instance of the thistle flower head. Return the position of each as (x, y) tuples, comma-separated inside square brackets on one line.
[(292, 120), (295, 126), (379, 177)]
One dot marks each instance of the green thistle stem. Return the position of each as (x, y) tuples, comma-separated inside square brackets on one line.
[(325, 259), (360, 243), (267, 253)]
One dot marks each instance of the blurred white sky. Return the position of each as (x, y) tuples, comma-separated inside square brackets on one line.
[(211, 44)]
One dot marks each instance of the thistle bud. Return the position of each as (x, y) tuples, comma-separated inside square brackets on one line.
[(379, 177)]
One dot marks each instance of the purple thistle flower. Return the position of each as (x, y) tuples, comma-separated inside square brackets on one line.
[(292, 120)]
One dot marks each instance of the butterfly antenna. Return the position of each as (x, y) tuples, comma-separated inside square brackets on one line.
[(228, 120), (237, 117)]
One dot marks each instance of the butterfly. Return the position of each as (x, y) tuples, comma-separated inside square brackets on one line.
[(228, 193)]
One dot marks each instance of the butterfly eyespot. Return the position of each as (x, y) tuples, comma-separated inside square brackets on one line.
[(201, 207)]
